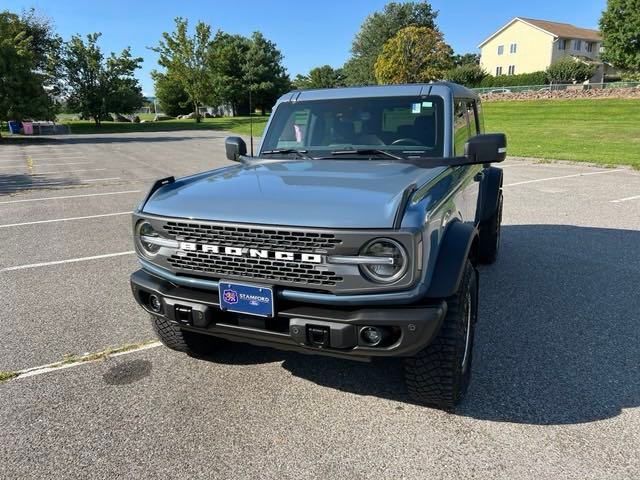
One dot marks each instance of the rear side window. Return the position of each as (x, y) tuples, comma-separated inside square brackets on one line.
[(461, 130)]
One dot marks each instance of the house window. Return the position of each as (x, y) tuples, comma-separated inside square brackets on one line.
[(577, 45), (498, 71), (500, 49), (562, 44), (513, 48), (590, 47), (512, 69)]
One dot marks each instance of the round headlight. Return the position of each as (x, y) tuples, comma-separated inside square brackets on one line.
[(393, 260), (144, 229)]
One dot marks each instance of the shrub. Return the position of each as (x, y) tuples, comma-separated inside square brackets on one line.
[(468, 75), (533, 78), (570, 70)]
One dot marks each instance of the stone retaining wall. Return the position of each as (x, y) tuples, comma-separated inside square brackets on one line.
[(564, 94)]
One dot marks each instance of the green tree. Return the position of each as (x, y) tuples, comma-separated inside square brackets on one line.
[(186, 58), (376, 30), (469, 75), (414, 54), (97, 86), (170, 94), (227, 57), (620, 25), (320, 77), (461, 60), (28, 60), (570, 70), (264, 73)]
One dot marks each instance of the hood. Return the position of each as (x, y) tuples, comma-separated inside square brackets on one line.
[(305, 193)]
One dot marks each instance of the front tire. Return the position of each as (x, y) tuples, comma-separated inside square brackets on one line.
[(439, 375), (173, 337)]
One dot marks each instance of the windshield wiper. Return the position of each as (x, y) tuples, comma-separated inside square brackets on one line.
[(284, 151), (366, 151)]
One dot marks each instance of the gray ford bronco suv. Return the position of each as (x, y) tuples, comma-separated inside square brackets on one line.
[(354, 232)]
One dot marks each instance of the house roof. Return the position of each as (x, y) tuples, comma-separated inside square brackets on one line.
[(555, 29), (565, 29)]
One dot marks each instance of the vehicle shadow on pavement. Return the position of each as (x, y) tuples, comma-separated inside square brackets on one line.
[(558, 340), (19, 182)]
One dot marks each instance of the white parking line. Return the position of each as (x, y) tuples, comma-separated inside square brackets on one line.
[(558, 178), (17, 158), (45, 164), (514, 165), (52, 367), (70, 171), (98, 179), (61, 262), (64, 219), (626, 199), (71, 196)]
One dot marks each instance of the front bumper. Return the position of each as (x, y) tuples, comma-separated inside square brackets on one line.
[(297, 326)]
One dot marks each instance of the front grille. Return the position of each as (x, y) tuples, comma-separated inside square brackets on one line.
[(231, 266), (289, 240), (272, 270)]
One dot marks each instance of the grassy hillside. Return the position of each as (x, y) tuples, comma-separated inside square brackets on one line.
[(605, 131)]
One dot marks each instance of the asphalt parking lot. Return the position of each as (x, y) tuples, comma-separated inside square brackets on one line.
[(556, 375)]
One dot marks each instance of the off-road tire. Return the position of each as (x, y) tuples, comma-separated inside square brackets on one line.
[(489, 241), (173, 337), (436, 376)]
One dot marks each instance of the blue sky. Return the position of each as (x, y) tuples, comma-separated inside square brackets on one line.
[(309, 33)]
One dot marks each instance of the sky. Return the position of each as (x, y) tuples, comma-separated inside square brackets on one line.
[(308, 33)]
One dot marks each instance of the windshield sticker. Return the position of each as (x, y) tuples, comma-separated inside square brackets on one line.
[(427, 104), (415, 108)]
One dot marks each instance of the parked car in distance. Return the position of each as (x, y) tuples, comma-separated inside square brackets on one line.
[(499, 90), (354, 232)]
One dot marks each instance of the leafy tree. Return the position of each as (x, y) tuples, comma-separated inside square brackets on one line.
[(466, 59), (97, 86), (227, 57), (469, 75), (570, 70), (414, 54), (264, 73), (173, 99), (620, 25), (376, 30), (320, 77), (186, 58), (27, 85)]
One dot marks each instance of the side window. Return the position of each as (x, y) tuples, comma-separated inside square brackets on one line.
[(295, 132), (474, 126), (480, 117), (460, 127)]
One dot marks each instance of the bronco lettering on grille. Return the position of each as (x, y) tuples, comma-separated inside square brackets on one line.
[(252, 252)]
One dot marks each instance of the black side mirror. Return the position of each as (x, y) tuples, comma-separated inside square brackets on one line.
[(235, 148), (486, 148)]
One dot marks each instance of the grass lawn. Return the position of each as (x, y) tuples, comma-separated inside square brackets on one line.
[(604, 131), (238, 125)]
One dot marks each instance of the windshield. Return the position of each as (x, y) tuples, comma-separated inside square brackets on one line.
[(400, 125)]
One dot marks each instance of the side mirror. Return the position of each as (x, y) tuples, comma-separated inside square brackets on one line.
[(235, 148), (486, 148)]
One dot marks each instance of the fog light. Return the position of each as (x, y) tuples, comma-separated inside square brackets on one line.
[(372, 336), (155, 304)]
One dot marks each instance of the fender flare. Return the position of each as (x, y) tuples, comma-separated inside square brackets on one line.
[(491, 188), (455, 248)]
